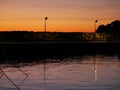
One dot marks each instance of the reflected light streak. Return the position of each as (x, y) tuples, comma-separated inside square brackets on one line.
[(95, 71)]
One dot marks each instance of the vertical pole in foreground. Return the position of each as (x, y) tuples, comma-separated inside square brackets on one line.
[(46, 18)]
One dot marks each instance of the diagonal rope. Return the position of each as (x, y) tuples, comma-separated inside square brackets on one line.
[(10, 79)]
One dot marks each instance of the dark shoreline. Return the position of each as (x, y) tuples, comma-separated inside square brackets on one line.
[(36, 49)]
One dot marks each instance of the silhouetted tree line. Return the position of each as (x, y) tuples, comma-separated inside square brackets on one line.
[(112, 30), (114, 27)]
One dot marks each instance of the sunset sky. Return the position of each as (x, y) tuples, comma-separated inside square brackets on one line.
[(63, 15)]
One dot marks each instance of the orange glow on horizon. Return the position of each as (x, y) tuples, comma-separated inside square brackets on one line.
[(63, 15)]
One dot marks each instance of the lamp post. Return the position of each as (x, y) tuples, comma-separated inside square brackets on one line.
[(46, 18), (96, 25)]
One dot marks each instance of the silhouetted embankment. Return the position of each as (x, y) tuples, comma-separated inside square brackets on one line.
[(25, 36)]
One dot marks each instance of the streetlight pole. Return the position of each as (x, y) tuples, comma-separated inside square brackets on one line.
[(96, 25), (46, 18)]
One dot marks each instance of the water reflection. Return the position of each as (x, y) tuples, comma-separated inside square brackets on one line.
[(45, 72), (90, 72), (95, 70)]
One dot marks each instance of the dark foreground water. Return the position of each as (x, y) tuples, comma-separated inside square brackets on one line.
[(88, 72)]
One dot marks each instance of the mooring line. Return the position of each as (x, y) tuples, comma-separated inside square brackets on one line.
[(10, 79)]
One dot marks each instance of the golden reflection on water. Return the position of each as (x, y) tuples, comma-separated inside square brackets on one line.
[(69, 73), (95, 71)]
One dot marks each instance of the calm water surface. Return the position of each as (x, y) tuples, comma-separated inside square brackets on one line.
[(88, 72)]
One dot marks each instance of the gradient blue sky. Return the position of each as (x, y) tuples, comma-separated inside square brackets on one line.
[(64, 15)]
